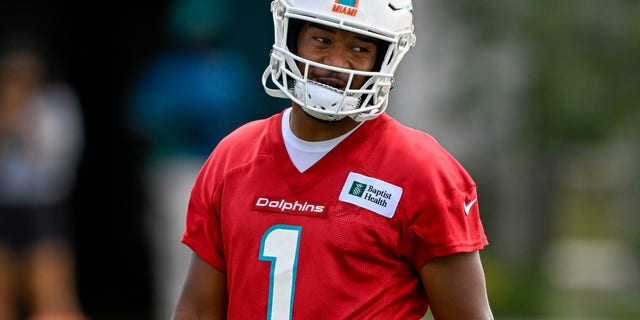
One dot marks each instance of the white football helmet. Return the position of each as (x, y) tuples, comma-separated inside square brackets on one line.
[(388, 20)]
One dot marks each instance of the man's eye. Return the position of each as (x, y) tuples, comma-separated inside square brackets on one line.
[(322, 40), (361, 49)]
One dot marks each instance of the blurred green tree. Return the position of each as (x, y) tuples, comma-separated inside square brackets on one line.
[(580, 87)]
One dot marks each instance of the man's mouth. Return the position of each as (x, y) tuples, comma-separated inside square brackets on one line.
[(331, 79), (340, 85)]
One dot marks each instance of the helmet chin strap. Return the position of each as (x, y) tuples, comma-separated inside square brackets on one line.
[(322, 101)]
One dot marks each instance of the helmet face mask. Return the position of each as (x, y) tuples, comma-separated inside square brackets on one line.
[(388, 21)]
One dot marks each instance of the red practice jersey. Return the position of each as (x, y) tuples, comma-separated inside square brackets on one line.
[(343, 240)]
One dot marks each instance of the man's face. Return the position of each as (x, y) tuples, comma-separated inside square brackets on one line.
[(336, 48)]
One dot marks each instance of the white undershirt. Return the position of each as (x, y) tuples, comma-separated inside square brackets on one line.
[(303, 153)]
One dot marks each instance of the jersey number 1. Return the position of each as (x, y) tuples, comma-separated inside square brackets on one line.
[(280, 245)]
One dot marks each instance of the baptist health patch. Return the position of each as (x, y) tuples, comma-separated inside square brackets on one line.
[(372, 194)]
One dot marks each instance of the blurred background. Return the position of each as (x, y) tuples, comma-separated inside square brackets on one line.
[(537, 99)]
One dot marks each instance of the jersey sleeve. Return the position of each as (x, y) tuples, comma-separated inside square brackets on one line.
[(451, 225), (444, 218), (202, 232)]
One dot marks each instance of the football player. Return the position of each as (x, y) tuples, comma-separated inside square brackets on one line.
[(332, 209)]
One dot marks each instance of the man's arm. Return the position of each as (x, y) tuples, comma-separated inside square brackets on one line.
[(456, 287), (204, 295)]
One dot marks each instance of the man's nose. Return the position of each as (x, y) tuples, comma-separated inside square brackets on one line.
[(338, 57)]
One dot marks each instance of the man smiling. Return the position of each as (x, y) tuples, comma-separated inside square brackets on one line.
[(399, 230)]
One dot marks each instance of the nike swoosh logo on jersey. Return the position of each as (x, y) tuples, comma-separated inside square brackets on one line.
[(467, 207)]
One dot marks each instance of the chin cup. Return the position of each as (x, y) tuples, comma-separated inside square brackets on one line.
[(322, 101)]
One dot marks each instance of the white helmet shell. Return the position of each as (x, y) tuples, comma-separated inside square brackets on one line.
[(388, 20)]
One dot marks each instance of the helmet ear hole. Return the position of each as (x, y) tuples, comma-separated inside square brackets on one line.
[(292, 35), (383, 47)]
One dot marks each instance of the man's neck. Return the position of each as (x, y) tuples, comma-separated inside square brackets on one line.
[(309, 128)]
